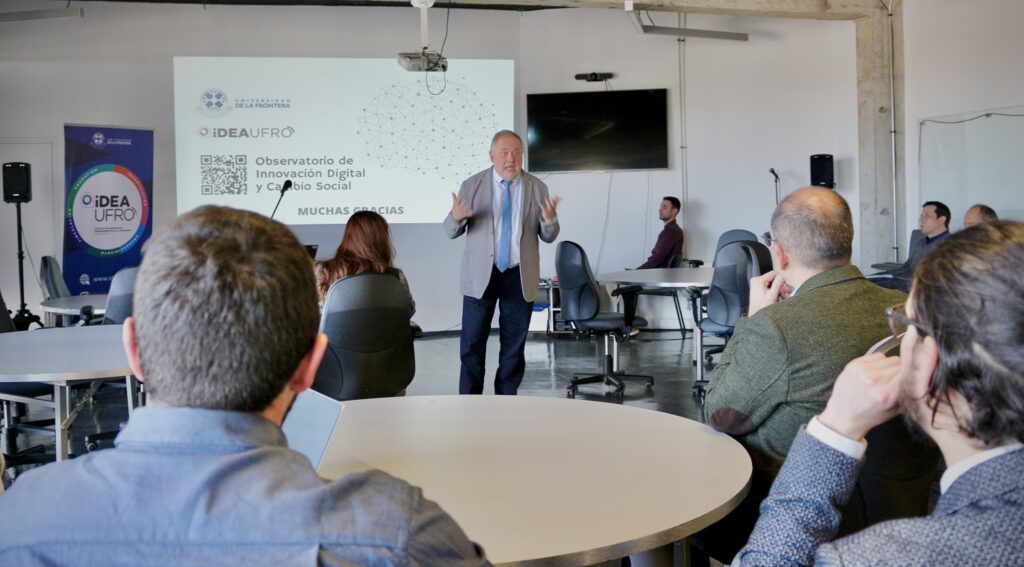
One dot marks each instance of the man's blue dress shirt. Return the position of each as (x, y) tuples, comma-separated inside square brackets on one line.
[(188, 486)]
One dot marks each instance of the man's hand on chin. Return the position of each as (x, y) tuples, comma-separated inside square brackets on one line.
[(766, 290)]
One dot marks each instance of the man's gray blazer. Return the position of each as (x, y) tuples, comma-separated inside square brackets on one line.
[(979, 520), (918, 247), (478, 257)]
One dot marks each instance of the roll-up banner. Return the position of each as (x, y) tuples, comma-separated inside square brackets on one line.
[(108, 195)]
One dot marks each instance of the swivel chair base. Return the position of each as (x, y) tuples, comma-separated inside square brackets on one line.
[(611, 374)]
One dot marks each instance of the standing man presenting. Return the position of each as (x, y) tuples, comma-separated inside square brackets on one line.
[(502, 210), (670, 239)]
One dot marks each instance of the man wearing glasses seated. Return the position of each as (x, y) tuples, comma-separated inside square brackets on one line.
[(960, 380)]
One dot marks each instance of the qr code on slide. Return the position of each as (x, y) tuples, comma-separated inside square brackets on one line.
[(223, 174)]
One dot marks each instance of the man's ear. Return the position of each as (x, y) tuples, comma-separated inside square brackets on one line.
[(781, 256), (304, 375), (926, 358), (131, 347)]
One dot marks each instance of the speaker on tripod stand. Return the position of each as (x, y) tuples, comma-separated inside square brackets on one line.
[(17, 178)]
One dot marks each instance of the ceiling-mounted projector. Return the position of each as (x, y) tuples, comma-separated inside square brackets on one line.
[(423, 60)]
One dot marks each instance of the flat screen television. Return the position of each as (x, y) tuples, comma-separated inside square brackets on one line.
[(597, 131)]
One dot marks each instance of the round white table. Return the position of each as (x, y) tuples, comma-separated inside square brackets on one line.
[(548, 481), (64, 357), (73, 304), (678, 278)]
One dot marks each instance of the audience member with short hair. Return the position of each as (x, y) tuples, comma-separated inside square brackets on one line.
[(959, 379), (365, 247), (934, 223), (224, 336), (778, 368), (978, 214), (670, 239)]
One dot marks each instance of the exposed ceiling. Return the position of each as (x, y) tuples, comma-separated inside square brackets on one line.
[(813, 9)]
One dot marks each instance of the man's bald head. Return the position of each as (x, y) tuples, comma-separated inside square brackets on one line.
[(979, 214), (815, 227)]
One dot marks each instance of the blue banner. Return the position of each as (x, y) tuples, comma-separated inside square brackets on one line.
[(108, 195)]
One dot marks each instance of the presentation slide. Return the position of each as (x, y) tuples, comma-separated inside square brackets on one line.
[(350, 134)]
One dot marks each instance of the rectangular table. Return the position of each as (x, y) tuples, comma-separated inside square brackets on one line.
[(65, 357)]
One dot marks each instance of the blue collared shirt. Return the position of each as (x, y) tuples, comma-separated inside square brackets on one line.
[(189, 486)]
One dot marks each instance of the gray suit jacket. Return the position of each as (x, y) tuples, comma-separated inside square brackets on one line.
[(479, 254), (979, 520), (918, 247)]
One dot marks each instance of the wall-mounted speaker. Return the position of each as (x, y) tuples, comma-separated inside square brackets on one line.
[(822, 174), (17, 182)]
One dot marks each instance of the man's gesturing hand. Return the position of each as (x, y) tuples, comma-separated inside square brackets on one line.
[(460, 209)]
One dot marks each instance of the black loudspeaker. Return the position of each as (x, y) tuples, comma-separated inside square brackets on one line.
[(821, 171), (17, 182)]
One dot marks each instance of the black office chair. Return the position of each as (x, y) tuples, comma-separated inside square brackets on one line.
[(581, 308), (726, 300), (120, 296), (369, 339), (13, 398), (896, 478)]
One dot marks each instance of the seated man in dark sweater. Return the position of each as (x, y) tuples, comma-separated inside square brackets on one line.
[(670, 239), (669, 244)]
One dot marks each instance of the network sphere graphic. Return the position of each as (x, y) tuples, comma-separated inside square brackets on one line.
[(213, 99), (406, 127)]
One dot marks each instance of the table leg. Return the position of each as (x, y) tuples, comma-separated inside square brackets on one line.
[(61, 393)]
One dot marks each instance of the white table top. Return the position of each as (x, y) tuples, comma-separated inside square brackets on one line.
[(661, 277), (73, 304), (62, 353), (548, 481)]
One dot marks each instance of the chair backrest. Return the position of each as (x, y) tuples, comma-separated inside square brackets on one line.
[(729, 292), (759, 258), (675, 261), (369, 339), (734, 235), (576, 284), (6, 323), (51, 279), (896, 479), (120, 296)]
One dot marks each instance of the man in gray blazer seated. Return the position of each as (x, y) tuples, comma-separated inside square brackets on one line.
[(934, 222), (960, 380), (502, 210)]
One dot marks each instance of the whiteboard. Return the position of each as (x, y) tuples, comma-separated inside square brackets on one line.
[(974, 157)]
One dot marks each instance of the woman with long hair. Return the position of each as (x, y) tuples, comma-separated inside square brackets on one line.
[(365, 247)]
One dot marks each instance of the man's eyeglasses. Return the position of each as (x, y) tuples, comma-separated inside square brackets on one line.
[(898, 323), (767, 238)]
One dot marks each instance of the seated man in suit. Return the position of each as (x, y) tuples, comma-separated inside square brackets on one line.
[(934, 222), (778, 368), (978, 214), (224, 336), (960, 380)]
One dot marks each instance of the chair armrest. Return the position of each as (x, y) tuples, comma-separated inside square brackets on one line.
[(625, 290)]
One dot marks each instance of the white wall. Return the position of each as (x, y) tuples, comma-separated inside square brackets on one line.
[(960, 57), (771, 102)]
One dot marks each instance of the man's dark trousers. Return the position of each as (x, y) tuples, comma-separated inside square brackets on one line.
[(513, 325)]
